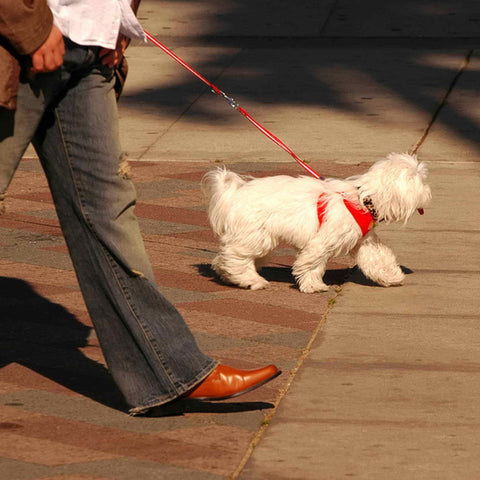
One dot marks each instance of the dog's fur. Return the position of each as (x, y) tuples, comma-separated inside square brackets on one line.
[(252, 215)]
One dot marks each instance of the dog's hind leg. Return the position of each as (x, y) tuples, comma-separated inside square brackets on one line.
[(310, 281), (238, 269), (309, 269)]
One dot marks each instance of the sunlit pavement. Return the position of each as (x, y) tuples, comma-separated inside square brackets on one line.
[(377, 383)]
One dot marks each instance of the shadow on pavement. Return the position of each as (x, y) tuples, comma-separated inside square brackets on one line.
[(298, 73), (182, 407), (283, 274), (46, 338)]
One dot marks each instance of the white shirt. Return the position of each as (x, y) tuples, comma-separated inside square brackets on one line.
[(95, 22)]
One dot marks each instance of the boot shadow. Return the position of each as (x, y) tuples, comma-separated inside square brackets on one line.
[(181, 407)]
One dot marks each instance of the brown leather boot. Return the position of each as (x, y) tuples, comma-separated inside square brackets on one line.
[(227, 382)]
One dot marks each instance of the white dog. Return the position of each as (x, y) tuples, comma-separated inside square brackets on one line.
[(321, 219)]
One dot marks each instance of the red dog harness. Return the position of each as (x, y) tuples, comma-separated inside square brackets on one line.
[(362, 216)]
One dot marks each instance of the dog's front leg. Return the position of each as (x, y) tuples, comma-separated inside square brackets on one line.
[(377, 261)]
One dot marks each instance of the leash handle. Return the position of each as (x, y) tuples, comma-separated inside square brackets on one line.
[(234, 104)]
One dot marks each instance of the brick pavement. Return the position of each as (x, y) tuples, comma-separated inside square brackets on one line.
[(61, 416)]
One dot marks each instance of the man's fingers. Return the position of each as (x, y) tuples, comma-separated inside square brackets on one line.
[(110, 58), (47, 62), (113, 57), (50, 55), (37, 63), (58, 57), (104, 52)]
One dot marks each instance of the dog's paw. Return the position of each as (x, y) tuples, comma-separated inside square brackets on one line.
[(391, 284), (313, 288), (259, 284), (392, 280)]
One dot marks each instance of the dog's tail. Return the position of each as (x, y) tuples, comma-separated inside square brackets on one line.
[(219, 186)]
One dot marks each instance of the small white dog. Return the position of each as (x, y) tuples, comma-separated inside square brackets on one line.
[(321, 219)]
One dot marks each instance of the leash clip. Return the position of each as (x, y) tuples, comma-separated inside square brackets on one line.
[(233, 103)]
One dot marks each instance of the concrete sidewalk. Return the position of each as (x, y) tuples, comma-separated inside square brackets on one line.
[(389, 388), (377, 383)]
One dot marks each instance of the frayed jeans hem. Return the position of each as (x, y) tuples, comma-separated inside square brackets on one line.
[(158, 401)]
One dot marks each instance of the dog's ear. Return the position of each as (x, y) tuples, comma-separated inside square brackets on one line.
[(422, 170)]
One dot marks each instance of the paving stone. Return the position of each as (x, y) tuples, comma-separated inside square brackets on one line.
[(46, 452), (253, 311), (57, 390)]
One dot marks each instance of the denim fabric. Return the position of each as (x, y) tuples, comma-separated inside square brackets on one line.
[(70, 116)]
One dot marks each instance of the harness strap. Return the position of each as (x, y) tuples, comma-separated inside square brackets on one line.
[(362, 216)]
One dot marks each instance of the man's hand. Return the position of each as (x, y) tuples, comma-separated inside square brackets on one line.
[(112, 58), (49, 56)]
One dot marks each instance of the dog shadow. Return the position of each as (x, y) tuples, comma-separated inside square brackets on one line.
[(45, 338), (357, 277), (283, 274), (278, 274)]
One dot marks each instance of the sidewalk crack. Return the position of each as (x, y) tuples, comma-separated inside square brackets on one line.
[(191, 105), (270, 415), (453, 83)]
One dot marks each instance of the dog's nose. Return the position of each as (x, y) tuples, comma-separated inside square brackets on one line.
[(420, 211)]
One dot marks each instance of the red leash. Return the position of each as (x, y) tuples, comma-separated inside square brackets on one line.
[(234, 105)]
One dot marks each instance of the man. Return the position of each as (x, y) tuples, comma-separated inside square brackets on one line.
[(57, 70)]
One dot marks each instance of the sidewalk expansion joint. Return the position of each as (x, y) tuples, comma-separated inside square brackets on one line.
[(191, 105)]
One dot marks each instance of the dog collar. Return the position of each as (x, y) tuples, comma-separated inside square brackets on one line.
[(362, 216), (368, 204)]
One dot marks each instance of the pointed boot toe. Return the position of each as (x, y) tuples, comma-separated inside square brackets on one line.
[(227, 382)]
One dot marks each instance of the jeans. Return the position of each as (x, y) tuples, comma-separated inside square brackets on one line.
[(70, 116)]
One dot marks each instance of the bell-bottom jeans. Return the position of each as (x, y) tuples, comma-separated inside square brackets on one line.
[(71, 118)]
